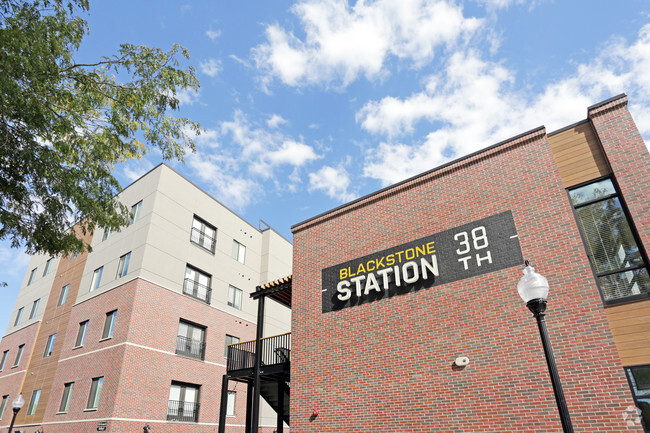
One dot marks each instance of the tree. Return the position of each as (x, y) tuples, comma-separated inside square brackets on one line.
[(64, 125)]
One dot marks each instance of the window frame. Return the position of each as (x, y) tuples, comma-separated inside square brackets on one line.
[(19, 316), (32, 276), (240, 247), (235, 291), (135, 212), (232, 339), (66, 397), (82, 333), (63, 295), (35, 306), (123, 265), (208, 288), (3, 362), (229, 405), (617, 194), (96, 281), (109, 325), (202, 235), (183, 386), (108, 232), (49, 345), (628, 374), (3, 405), (33, 402), (95, 393), (48, 265), (19, 355), (185, 344)]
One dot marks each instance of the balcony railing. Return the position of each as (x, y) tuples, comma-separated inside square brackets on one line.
[(197, 290), (203, 240), (192, 348), (182, 411), (275, 350)]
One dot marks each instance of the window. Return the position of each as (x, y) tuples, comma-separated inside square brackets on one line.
[(109, 325), (19, 315), (19, 355), (33, 402), (135, 211), (32, 276), (74, 255), (63, 295), (81, 334), (34, 308), (107, 233), (230, 340), (197, 284), (230, 407), (238, 251), (95, 393), (123, 265), (48, 266), (3, 362), (616, 259), (234, 297), (49, 346), (203, 234), (639, 379), (97, 278), (183, 402), (3, 405), (65, 399), (191, 340)]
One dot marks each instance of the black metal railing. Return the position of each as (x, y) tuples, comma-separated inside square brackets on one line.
[(197, 290), (202, 239), (192, 348), (182, 411), (275, 350)]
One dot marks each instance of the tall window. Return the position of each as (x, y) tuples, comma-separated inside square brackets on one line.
[(19, 355), (32, 275), (183, 402), (619, 264), (49, 346), (123, 265), (135, 211), (203, 234), (230, 339), (34, 308), (3, 362), (95, 393), (48, 266), (65, 398), (639, 379), (3, 405), (230, 407), (19, 315), (191, 340), (81, 334), (33, 402), (107, 233), (63, 295), (109, 325), (197, 284), (238, 251), (97, 278), (234, 297)]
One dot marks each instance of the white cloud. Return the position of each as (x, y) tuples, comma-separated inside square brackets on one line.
[(292, 153), (213, 34), (275, 121), (134, 170), (343, 42), (333, 181), (473, 103), (187, 96), (210, 67)]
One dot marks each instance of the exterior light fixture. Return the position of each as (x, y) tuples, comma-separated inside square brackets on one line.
[(533, 289), (315, 413), (17, 404)]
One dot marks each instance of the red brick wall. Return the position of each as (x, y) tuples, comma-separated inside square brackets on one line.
[(387, 366)]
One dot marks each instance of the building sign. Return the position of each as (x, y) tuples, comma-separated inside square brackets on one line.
[(476, 248)]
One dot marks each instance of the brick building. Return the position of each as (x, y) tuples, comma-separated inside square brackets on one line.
[(135, 332), (388, 290)]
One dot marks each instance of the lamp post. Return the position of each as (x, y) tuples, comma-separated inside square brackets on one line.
[(17, 404), (533, 289)]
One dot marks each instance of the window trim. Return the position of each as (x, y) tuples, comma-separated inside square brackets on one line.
[(3, 405), (63, 297), (19, 316), (199, 244), (66, 397), (241, 297), (48, 265), (240, 245), (3, 362), (49, 346), (225, 351), (635, 235), (185, 353), (19, 355), (234, 403), (123, 265), (208, 288), (32, 276), (96, 282), (136, 209), (95, 395), (33, 402), (107, 333), (34, 311), (628, 373), (82, 333)]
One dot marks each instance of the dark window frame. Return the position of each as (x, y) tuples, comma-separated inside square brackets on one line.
[(3, 405), (95, 393), (203, 235), (82, 333), (34, 400), (49, 345), (35, 306), (63, 295), (5, 356), (109, 325), (19, 355), (66, 397), (635, 235)]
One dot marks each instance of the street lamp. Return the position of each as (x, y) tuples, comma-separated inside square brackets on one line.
[(533, 289), (17, 404)]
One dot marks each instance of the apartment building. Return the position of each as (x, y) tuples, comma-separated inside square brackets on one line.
[(135, 333)]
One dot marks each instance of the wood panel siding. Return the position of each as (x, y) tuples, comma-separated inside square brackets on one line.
[(578, 154), (630, 325)]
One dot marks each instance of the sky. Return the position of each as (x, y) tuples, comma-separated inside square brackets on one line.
[(309, 104)]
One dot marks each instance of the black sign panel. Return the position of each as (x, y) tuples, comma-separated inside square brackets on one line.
[(476, 248)]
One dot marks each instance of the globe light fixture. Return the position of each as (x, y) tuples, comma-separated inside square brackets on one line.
[(16, 405), (533, 289)]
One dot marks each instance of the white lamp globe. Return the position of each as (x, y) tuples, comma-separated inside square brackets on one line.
[(18, 403), (532, 285)]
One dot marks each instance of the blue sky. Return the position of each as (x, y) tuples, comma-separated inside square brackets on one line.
[(309, 104)]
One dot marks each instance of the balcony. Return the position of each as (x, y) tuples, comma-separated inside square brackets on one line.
[(182, 411), (275, 351), (196, 290), (190, 348), (203, 240)]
